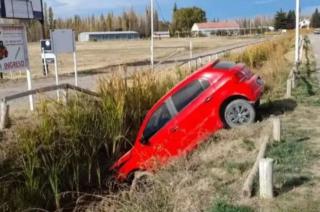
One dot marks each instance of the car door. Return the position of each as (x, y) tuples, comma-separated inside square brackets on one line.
[(195, 117), (156, 136)]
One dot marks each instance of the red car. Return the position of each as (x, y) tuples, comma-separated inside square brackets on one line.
[(221, 94)]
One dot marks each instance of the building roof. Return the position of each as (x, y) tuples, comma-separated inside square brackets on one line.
[(110, 33), (218, 25), (162, 33)]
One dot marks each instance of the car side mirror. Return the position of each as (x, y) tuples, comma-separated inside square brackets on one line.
[(144, 140)]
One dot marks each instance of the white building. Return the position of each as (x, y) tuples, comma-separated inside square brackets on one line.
[(215, 28), (103, 36), (162, 34), (305, 23)]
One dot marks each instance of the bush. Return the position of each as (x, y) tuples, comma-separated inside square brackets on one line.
[(70, 148)]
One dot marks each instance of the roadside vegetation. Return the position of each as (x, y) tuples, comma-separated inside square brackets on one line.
[(65, 154)]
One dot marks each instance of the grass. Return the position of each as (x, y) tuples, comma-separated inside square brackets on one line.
[(67, 151), (223, 206), (295, 155)]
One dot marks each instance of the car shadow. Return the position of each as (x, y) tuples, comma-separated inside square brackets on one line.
[(291, 184), (275, 108)]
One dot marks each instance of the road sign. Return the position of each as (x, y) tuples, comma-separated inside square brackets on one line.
[(63, 41), (46, 45), (21, 9), (14, 52), (13, 49)]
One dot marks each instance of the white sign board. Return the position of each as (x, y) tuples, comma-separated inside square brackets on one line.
[(22, 9), (13, 48), (63, 41)]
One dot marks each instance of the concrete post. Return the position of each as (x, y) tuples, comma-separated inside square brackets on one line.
[(289, 88), (276, 129), (266, 178), (4, 118)]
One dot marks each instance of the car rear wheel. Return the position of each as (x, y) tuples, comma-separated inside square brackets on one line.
[(239, 112)]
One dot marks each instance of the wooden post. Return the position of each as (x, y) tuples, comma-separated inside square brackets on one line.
[(4, 118), (266, 178), (289, 88), (276, 129), (248, 185)]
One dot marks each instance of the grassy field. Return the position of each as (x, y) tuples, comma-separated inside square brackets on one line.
[(92, 55)]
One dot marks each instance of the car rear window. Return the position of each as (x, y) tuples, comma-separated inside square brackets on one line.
[(160, 118), (224, 65), (187, 94)]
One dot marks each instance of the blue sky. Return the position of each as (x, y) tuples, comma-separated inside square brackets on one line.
[(222, 9)]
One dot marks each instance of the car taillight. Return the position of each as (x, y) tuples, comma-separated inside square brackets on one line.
[(244, 75), (260, 81)]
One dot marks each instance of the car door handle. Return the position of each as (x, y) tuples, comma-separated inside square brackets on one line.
[(208, 99), (174, 129)]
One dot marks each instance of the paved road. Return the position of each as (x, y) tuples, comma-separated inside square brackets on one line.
[(315, 41)]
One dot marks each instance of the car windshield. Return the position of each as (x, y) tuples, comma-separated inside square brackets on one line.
[(157, 121)]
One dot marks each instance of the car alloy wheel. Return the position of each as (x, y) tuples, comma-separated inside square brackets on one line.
[(238, 113)]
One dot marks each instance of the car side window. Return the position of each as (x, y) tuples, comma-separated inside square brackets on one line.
[(160, 118), (187, 94)]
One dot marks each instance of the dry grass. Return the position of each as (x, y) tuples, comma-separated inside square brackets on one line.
[(214, 171), (93, 55), (272, 61)]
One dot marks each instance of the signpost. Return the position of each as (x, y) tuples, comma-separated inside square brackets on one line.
[(63, 42), (297, 32), (14, 52)]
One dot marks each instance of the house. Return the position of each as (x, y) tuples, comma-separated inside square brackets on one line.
[(216, 28), (305, 23), (103, 36)]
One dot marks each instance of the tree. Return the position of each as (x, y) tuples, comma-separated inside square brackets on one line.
[(315, 19), (51, 19), (291, 19), (184, 18), (280, 20), (110, 22), (175, 8)]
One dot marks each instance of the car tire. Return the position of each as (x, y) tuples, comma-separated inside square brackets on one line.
[(239, 112)]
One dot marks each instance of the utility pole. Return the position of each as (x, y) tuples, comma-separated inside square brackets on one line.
[(297, 31), (152, 38)]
